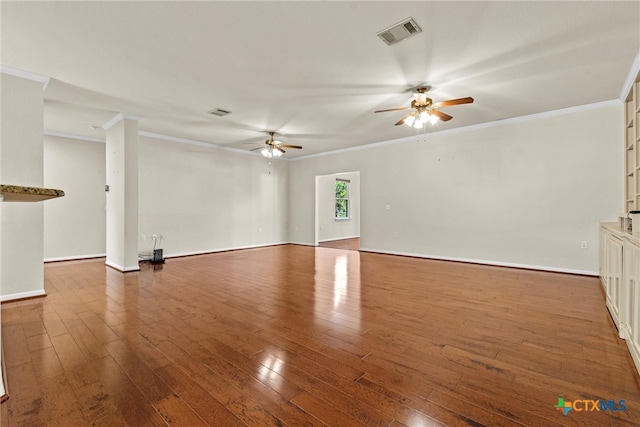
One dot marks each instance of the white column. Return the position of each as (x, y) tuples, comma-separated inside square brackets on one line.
[(122, 197), (21, 163)]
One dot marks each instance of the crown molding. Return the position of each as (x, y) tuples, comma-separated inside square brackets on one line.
[(5, 69), (470, 128), (631, 77), (157, 136), (118, 117), (175, 139), (201, 144), (73, 136)]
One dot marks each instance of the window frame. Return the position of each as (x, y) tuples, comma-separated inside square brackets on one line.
[(346, 200)]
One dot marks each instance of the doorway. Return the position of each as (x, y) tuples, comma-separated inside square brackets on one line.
[(337, 222)]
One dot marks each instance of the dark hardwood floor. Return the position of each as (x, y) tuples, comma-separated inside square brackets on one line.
[(351, 244), (303, 336)]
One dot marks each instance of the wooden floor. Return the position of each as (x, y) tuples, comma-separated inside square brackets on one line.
[(351, 244), (303, 336)]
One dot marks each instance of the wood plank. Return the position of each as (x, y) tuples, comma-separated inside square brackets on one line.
[(177, 413), (25, 403), (16, 353), (205, 405), (323, 411)]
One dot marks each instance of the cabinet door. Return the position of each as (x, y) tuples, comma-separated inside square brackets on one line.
[(604, 254), (614, 278), (631, 300)]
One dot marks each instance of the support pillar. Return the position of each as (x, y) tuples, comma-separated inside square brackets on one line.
[(21, 163), (122, 194)]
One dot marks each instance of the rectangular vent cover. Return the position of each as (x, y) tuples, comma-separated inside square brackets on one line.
[(399, 31), (218, 112)]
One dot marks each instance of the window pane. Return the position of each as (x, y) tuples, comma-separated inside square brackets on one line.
[(342, 208), (341, 190), (342, 199)]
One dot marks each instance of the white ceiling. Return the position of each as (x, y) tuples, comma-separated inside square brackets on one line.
[(313, 71)]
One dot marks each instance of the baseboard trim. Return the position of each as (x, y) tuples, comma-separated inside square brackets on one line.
[(121, 268), (23, 295), (74, 257), (339, 238), (301, 243), (213, 251), (485, 262), (409, 254)]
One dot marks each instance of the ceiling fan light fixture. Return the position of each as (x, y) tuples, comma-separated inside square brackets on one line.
[(409, 120), (267, 152), (418, 124), (433, 119), (420, 97)]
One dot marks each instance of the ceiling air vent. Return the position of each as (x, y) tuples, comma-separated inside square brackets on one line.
[(399, 31), (218, 112)]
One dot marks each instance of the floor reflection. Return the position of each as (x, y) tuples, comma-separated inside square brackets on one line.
[(340, 281), (337, 288), (268, 371)]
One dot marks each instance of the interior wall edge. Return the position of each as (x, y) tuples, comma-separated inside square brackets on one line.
[(74, 257), (213, 251), (22, 295), (486, 262)]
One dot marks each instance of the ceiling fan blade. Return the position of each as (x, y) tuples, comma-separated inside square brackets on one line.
[(467, 100), (256, 149), (392, 109), (442, 116), (298, 147), (401, 121), (275, 147)]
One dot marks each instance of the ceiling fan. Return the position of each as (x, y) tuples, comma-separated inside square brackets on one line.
[(423, 109), (274, 148)]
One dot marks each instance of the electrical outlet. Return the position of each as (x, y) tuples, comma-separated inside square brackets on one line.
[(143, 237), (260, 229), (584, 245), (387, 207)]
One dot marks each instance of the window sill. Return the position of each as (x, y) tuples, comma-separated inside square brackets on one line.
[(341, 219)]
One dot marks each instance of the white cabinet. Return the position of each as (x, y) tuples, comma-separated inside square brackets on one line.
[(611, 274), (613, 263), (631, 303), (620, 277)]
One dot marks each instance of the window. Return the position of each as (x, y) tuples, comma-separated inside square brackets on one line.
[(342, 199)]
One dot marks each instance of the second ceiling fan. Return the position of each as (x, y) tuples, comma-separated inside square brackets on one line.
[(274, 148), (423, 109)]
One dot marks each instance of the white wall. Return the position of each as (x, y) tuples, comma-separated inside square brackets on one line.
[(199, 199), (524, 193), (521, 193), (330, 228), (203, 199), (74, 226)]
